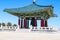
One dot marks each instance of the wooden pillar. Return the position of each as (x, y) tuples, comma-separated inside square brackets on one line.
[(35, 22), (42, 22), (32, 22), (19, 22), (46, 24), (25, 23)]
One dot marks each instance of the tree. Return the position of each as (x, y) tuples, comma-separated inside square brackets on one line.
[(9, 24), (3, 24), (14, 25)]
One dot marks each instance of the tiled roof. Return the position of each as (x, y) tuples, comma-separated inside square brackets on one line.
[(29, 8)]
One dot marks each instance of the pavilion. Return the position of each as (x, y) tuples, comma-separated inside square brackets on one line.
[(32, 12)]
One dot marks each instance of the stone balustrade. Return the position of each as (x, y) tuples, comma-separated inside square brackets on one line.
[(8, 27)]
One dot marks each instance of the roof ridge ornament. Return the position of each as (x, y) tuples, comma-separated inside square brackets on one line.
[(34, 1)]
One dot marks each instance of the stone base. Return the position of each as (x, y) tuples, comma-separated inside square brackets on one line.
[(17, 29), (45, 29), (22, 30)]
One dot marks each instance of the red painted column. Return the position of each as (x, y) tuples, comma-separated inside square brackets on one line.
[(25, 23), (42, 22), (35, 22), (46, 24), (19, 22)]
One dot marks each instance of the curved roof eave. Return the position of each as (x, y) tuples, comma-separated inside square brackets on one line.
[(29, 8), (32, 8)]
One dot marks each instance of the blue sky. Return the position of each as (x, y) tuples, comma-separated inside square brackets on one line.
[(5, 17)]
